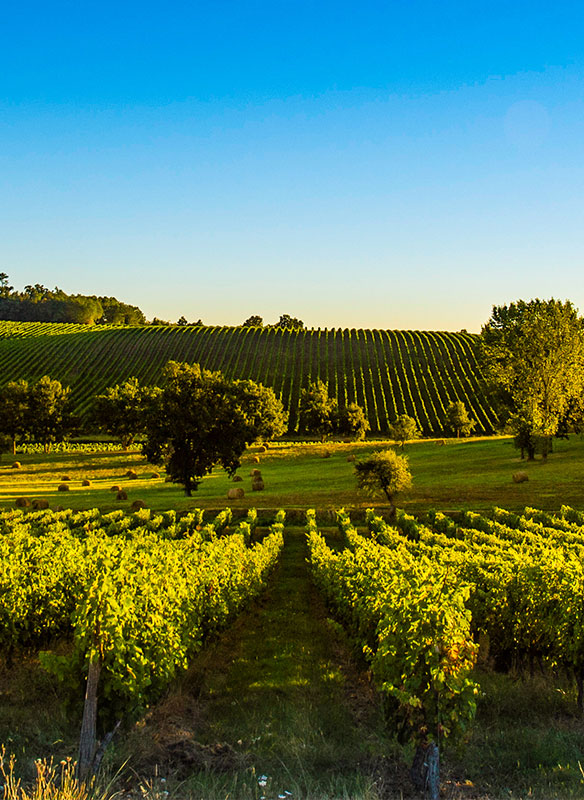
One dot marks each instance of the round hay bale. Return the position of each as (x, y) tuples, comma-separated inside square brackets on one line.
[(255, 473), (155, 475), (66, 478), (131, 474), (237, 478), (351, 458), (137, 505), (116, 488), (256, 460), (262, 448), (520, 477), (22, 502), (326, 454), (235, 494), (39, 503), (440, 442), (86, 482), (257, 485), (63, 487), (16, 465), (121, 495)]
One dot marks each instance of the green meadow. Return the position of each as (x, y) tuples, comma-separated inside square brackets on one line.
[(448, 475)]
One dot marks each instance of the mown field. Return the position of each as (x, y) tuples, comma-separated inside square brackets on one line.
[(473, 474), (386, 372)]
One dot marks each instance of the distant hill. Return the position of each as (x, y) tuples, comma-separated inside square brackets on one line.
[(387, 372)]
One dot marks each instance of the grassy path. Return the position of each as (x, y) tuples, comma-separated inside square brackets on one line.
[(280, 695)]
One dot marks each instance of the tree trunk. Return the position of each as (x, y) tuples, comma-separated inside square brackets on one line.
[(425, 770), (14, 445), (580, 685), (88, 736)]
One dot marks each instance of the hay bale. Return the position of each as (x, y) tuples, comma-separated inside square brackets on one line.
[(235, 494), (116, 488), (137, 505), (155, 475), (520, 477), (255, 473), (16, 465), (39, 504), (85, 482), (440, 442), (237, 478), (66, 478), (22, 502), (257, 485), (351, 458), (256, 460), (131, 474), (121, 495), (262, 448), (326, 454), (63, 487)]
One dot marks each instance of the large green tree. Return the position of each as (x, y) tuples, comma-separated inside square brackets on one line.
[(317, 412), (532, 354), (201, 419), (51, 412), (121, 410), (14, 411)]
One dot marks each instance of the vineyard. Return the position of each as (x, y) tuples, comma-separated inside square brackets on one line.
[(138, 595), (388, 373)]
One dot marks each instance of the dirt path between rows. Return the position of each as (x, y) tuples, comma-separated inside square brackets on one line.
[(281, 693)]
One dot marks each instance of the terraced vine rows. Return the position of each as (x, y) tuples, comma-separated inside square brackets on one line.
[(387, 372)]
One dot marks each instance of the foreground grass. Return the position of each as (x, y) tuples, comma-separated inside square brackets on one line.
[(471, 474)]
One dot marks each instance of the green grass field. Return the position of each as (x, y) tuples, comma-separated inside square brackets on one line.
[(471, 474)]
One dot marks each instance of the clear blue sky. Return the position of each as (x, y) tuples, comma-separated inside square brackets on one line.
[(355, 164)]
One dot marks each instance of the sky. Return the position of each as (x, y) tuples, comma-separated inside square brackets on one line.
[(353, 164)]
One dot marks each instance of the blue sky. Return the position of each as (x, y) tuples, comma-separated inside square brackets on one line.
[(392, 165)]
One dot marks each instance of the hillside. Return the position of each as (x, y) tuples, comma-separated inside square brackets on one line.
[(387, 372)]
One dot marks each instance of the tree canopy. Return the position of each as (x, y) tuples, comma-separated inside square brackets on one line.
[(317, 412), (458, 420), (200, 419), (121, 410), (384, 473), (403, 429), (532, 354)]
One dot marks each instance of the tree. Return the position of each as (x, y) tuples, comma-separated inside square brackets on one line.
[(121, 410), (524, 438), (384, 473), (182, 321), (200, 419), (532, 354), (14, 411), (51, 415), (255, 321), (404, 429), (316, 410), (352, 422), (458, 420), (286, 321), (5, 288), (263, 411)]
